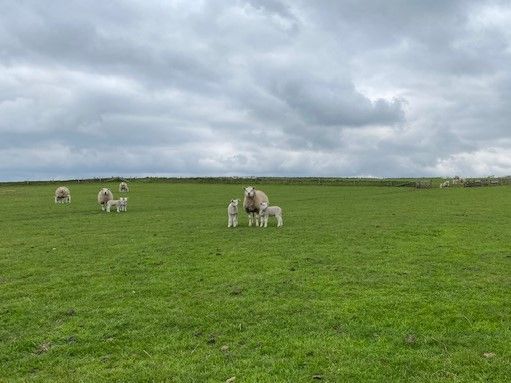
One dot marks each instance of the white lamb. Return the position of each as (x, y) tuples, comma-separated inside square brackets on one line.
[(62, 195), (121, 204), (232, 213), (444, 185), (266, 211)]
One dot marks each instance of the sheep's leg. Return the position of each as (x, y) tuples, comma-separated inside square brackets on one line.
[(235, 221), (256, 218), (279, 221), (250, 219), (69, 199), (229, 221), (55, 199)]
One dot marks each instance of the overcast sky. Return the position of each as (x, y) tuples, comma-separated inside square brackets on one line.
[(254, 87)]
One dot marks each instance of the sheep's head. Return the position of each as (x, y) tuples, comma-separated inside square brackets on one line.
[(263, 206), (234, 202), (250, 192)]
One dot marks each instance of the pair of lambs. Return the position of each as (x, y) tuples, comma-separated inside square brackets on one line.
[(107, 201), (256, 204)]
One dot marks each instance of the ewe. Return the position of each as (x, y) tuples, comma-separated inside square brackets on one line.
[(251, 202), (232, 213), (104, 196), (62, 195), (266, 211), (123, 187)]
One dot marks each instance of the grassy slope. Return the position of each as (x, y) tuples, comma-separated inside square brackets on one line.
[(361, 284)]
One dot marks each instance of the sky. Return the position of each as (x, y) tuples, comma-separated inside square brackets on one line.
[(395, 88)]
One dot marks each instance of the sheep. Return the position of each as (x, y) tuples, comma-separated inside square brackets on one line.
[(251, 202), (120, 204), (62, 195), (123, 187), (123, 204), (104, 196), (266, 211), (444, 185), (232, 213)]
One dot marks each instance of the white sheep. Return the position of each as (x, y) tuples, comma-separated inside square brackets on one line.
[(266, 211), (120, 204), (444, 185), (123, 187), (62, 195), (123, 204), (251, 202), (232, 213), (104, 196)]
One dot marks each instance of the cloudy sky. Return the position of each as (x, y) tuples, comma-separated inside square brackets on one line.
[(254, 87)]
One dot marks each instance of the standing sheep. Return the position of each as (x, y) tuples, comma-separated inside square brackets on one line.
[(104, 196), (62, 195), (266, 211), (251, 202), (232, 213), (120, 204), (123, 187), (444, 185)]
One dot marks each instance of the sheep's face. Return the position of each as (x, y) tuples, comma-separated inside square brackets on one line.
[(250, 192), (263, 206), (234, 202)]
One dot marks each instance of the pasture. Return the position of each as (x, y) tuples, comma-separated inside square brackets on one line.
[(362, 284)]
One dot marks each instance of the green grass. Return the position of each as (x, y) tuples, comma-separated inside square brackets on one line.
[(360, 285)]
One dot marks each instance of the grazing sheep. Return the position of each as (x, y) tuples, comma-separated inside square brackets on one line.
[(62, 195), (120, 204), (232, 213), (123, 187), (444, 185), (266, 211), (104, 196), (251, 202)]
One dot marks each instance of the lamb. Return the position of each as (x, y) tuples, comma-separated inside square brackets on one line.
[(251, 202), (121, 204), (232, 213), (62, 195), (104, 196), (444, 185), (266, 211), (123, 187)]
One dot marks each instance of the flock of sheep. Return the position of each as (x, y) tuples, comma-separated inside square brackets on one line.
[(105, 198), (255, 203)]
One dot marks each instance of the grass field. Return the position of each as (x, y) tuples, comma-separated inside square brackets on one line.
[(362, 284)]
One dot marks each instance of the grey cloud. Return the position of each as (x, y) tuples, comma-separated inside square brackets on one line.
[(185, 88)]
